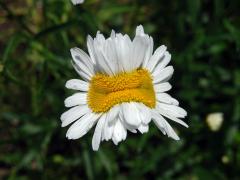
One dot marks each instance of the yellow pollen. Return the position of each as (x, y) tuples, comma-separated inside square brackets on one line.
[(106, 91)]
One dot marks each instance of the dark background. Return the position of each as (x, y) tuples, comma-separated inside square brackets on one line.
[(203, 37)]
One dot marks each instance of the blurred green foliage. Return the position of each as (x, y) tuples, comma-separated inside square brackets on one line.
[(35, 37)]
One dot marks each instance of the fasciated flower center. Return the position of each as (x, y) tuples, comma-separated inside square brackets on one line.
[(106, 91)]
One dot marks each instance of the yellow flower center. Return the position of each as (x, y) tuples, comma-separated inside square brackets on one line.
[(106, 91)]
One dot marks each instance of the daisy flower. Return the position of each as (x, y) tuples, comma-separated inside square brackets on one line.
[(75, 2), (122, 89)]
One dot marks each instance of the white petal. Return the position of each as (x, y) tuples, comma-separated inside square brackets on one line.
[(111, 118), (73, 114), (77, 84), (163, 75), (108, 131), (158, 54), (82, 61), (123, 47), (91, 50), (108, 128), (113, 34), (143, 128), (106, 54), (100, 38), (140, 31), (159, 121), (148, 44), (75, 2), (139, 47), (119, 133), (110, 55), (131, 114), (162, 87), (170, 132), (162, 64), (113, 114), (98, 132), (82, 126), (84, 75), (102, 62), (130, 128), (164, 126), (76, 99), (149, 52), (144, 112), (169, 115), (166, 98), (127, 126), (174, 110)]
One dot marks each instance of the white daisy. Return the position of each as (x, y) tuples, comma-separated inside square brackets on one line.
[(75, 2), (123, 88)]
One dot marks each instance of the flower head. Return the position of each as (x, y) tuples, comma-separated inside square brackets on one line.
[(123, 89), (214, 121)]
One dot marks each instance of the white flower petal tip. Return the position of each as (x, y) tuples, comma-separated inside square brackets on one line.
[(119, 133), (140, 30), (177, 139), (109, 92), (82, 63), (77, 84), (76, 99), (75, 2), (163, 75), (98, 132), (143, 128)]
